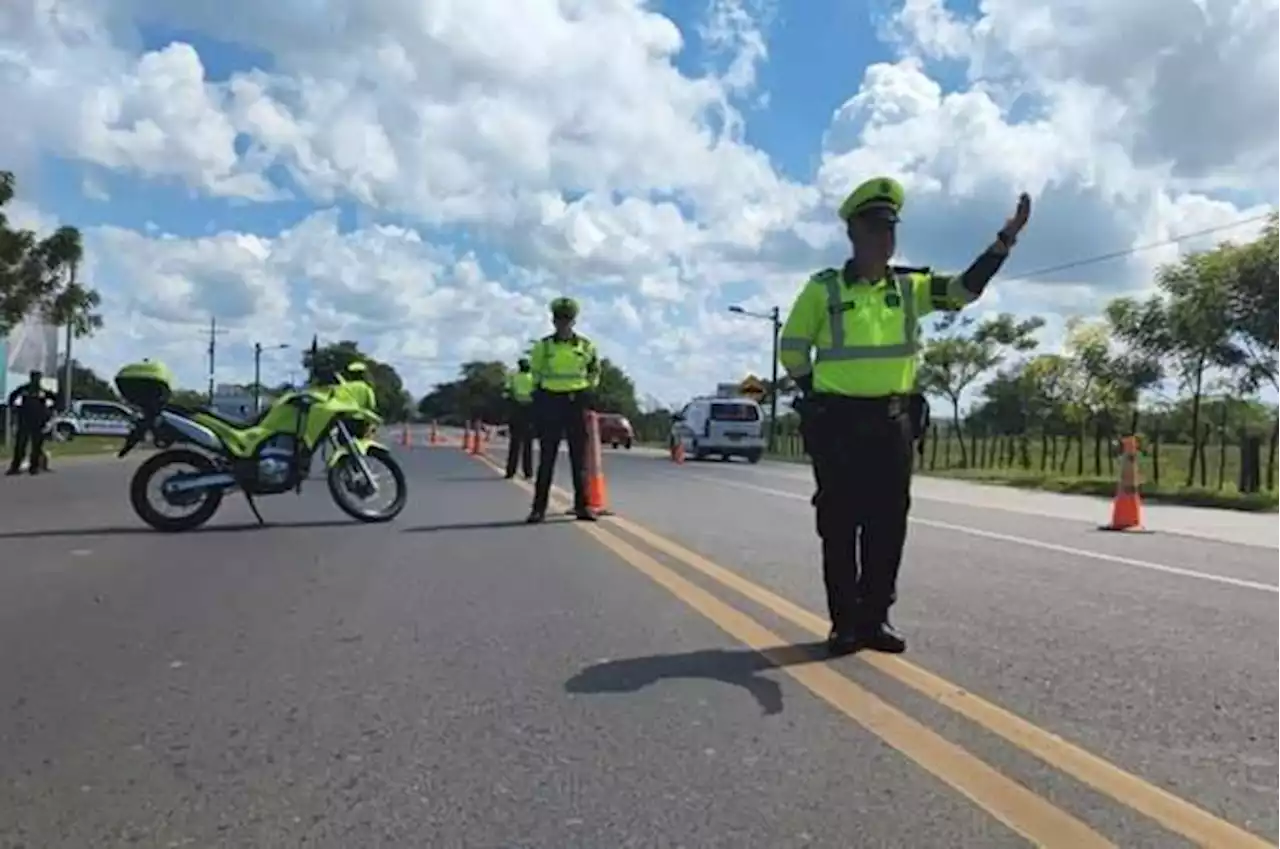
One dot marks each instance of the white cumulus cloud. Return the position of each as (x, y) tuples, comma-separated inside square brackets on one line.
[(496, 160)]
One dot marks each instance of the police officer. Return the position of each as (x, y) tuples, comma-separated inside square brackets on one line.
[(33, 406), (519, 392), (862, 322), (566, 370)]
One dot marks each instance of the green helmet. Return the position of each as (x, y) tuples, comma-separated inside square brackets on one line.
[(564, 308)]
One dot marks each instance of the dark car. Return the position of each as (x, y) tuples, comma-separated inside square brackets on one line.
[(616, 430)]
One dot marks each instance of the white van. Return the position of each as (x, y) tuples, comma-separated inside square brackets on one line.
[(725, 427)]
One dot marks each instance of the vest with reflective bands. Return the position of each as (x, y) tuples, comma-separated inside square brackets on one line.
[(869, 344), (520, 386), (564, 366)]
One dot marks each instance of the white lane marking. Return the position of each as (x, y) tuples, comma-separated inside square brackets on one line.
[(1034, 543), (1025, 510)]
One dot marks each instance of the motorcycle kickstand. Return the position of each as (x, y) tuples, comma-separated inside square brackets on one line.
[(254, 507)]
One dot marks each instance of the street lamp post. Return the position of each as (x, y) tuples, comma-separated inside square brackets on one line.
[(257, 371), (774, 317)]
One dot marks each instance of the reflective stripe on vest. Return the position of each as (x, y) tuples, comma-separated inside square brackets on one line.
[(838, 351)]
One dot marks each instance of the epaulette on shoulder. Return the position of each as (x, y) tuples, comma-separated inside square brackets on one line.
[(910, 269), (825, 274)]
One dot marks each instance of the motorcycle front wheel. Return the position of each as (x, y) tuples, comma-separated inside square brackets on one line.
[(350, 490)]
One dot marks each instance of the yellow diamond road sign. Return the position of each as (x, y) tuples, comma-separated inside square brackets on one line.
[(752, 387)]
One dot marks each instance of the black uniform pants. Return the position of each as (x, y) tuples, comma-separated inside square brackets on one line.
[(520, 440), (28, 437), (560, 415), (861, 451)]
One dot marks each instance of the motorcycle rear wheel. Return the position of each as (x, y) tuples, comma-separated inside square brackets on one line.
[(140, 496)]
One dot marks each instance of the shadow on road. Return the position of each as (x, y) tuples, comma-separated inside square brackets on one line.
[(468, 478), (477, 526), (134, 530), (740, 667)]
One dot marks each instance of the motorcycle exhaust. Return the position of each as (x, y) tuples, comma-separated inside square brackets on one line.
[(218, 480)]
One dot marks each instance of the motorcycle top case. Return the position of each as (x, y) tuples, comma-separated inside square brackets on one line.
[(147, 385)]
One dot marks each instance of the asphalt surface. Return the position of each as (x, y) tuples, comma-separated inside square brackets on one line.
[(457, 679)]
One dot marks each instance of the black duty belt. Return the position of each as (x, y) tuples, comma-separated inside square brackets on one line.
[(886, 406)]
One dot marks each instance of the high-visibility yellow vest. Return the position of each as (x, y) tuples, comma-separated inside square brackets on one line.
[(569, 365), (865, 335), (520, 386)]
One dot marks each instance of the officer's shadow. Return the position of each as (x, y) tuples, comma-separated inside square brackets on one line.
[(740, 667)]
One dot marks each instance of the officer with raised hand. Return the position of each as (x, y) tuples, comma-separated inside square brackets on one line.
[(519, 394), (861, 412), (566, 370)]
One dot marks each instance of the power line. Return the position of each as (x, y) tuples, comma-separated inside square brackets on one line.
[(1039, 272)]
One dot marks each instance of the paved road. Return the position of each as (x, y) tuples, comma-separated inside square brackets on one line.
[(458, 679)]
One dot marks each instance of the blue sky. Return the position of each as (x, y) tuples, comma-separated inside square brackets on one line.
[(481, 171)]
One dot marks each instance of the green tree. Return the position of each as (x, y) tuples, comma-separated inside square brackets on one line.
[(85, 384), (481, 390), (479, 393), (38, 275), (192, 398), (963, 350), (1254, 306), (1189, 328), (617, 392), (393, 400)]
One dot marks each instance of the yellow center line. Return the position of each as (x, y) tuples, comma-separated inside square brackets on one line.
[(1026, 813), (1173, 813)]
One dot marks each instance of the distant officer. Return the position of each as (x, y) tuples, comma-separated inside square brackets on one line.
[(566, 370), (862, 322), (519, 394), (30, 408)]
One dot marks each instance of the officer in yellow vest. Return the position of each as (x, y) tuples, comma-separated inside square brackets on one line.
[(862, 323), (519, 392), (566, 370)]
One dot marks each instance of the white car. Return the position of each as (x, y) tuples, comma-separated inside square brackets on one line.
[(723, 427), (93, 418)]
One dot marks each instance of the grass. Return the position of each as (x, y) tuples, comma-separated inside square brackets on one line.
[(1163, 470)]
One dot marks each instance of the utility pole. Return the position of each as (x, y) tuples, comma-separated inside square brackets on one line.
[(774, 317), (68, 372), (257, 371), (213, 352)]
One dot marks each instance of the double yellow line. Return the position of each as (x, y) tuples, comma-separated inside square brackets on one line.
[(1026, 813)]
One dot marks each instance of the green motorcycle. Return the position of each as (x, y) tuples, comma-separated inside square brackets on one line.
[(210, 455)]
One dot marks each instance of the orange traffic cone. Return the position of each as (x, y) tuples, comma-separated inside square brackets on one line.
[(405, 438), (466, 437), (677, 452), (475, 439), (1126, 507), (433, 434), (597, 496)]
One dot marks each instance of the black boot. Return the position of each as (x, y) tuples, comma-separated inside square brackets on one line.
[(841, 643), (882, 637)]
